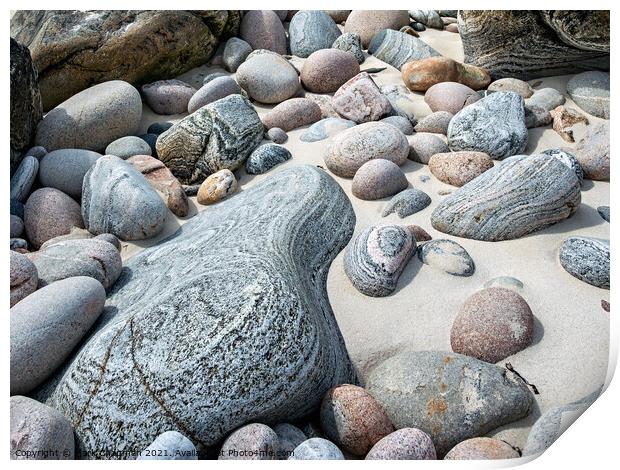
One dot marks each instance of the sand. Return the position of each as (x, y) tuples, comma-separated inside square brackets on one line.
[(569, 357)]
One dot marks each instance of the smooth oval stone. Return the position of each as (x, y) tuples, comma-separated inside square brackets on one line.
[(568, 159), (404, 444), (546, 98), (128, 146), (587, 259), (235, 52), (170, 445), (65, 169), (494, 125), (325, 128), (17, 226), (49, 213), (268, 78), (396, 48), (590, 91), (168, 96), (360, 100), (317, 448), (159, 127), (376, 257), (592, 151), (117, 199), (492, 324), (353, 419), (436, 123), (216, 89), (90, 257), (422, 146), (351, 148), (377, 179), (47, 325), (262, 29), (265, 157), (428, 18), (506, 282), (512, 84), (93, 118), (423, 73), (326, 70), (214, 75), (482, 448), (350, 42), (449, 396), (510, 200), (367, 23), (37, 152), (292, 114), (277, 135), (216, 187), (401, 123), (289, 437), (407, 203), (39, 432), (459, 168), (311, 30), (251, 442), (24, 277), (447, 256), (450, 96), (602, 210), (23, 178)]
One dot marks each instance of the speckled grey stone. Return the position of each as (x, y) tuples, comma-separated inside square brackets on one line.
[(377, 179), (235, 52), (376, 257), (268, 78), (289, 437), (218, 136), (428, 18), (436, 123), (423, 145), (449, 396), (325, 128), (311, 30), (216, 89), (17, 226), (448, 256), (590, 91), (265, 157), (396, 48), (400, 99), (128, 146), (117, 199), (23, 178), (24, 277), (407, 203), (602, 210), (168, 96), (404, 444), (47, 325), (587, 259), (170, 445), (350, 42), (277, 135), (251, 442), (510, 200), (65, 169), (317, 448), (278, 298), (546, 98), (494, 125), (535, 116), (401, 123), (568, 159)]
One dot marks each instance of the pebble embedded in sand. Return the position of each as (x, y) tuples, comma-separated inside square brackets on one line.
[(423, 145), (421, 75), (512, 84), (291, 114), (592, 151), (587, 259), (265, 157), (216, 187), (326, 70), (277, 135), (436, 123), (450, 97), (590, 91), (168, 96), (325, 128), (216, 89), (268, 78), (128, 146)]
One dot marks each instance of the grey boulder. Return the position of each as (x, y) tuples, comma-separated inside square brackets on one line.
[(65, 169), (590, 91), (128, 146), (311, 30), (23, 178)]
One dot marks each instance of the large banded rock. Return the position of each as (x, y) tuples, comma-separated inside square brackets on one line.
[(396, 48), (218, 136), (310, 31), (510, 200), (187, 313)]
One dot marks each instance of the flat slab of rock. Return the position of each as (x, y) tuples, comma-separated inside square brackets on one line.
[(279, 298), (587, 259)]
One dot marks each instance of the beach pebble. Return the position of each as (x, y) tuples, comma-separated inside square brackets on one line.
[(447, 256), (39, 432), (494, 125), (216, 187), (546, 98), (592, 151), (376, 257), (452, 28), (235, 52), (536, 116), (65, 169), (377, 179), (325, 128), (212, 76), (213, 91), (402, 104), (16, 208), (507, 282), (23, 178), (262, 29), (292, 114), (170, 445), (324, 102), (168, 96), (159, 127), (423, 145), (77, 122), (339, 16), (424, 73), (117, 199), (326, 70), (353, 419), (317, 448), (436, 123), (568, 159), (49, 213), (24, 277), (401, 123), (450, 97), (367, 23), (602, 210), (492, 324), (311, 30), (482, 448), (590, 91), (360, 100), (19, 245), (459, 168), (265, 157), (128, 146), (268, 78), (289, 437), (512, 84), (428, 18), (250, 442), (404, 444), (418, 26), (398, 48), (564, 119), (17, 226), (406, 203), (350, 42), (47, 325), (277, 135), (587, 259), (37, 152), (353, 147)]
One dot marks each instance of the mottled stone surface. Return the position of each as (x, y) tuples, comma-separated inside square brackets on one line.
[(24, 277), (316, 448), (289, 437), (494, 125), (279, 298), (546, 98), (170, 445), (23, 178), (219, 136), (292, 114), (350, 42), (587, 259), (376, 257), (326, 70), (512, 84), (265, 157), (39, 432), (450, 97), (268, 78), (447, 256), (449, 396), (535, 116), (400, 122), (325, 128), (128, 146), (396, 48), (436, 123), (421, 73), (216, 187), (592, 151), (311, 30), (564, 119), (262, 29), (459, 168), (360, 100), (168, 96), (19, 245), (422, 146), (402, 104), (407, 203), (482, 448), (404, 444), (235, 52), (251, 442), (590, 91), (428, 18), (510, 200), (277, 135), (568, 159), (377, 179), (367, 23), (351, 148), (214, 90), (65, 169)]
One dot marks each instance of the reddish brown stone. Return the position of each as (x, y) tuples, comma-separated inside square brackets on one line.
[(292, 113), (459, 168), (565, 118), (262, 29), (420, 75), (420, 234), (450, 97), (326, 70), (360, 100)]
